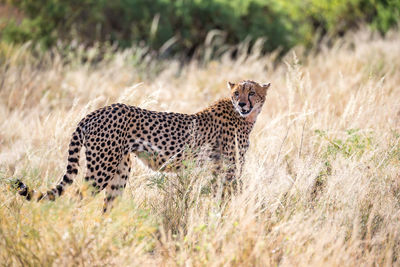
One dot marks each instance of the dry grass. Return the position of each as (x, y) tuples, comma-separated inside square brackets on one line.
[(322, 178)]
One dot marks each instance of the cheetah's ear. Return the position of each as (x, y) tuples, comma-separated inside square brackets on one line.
[(230, 85), (266, 86)]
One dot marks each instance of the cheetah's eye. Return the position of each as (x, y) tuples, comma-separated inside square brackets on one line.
[(251, 93), (236, 93)]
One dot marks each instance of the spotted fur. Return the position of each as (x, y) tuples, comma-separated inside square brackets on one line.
[(160, 139)]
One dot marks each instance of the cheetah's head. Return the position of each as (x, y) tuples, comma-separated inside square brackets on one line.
[(248, 97)]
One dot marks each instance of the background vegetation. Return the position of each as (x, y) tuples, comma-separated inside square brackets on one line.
[(183, 25), (322, 184)]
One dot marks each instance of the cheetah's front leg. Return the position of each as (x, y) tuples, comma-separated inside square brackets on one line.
[(232, 159), (224, 172)]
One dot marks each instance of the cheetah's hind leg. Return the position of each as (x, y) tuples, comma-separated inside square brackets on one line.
[(118, 183)]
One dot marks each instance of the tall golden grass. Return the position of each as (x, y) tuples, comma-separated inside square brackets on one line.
[(321, 181)]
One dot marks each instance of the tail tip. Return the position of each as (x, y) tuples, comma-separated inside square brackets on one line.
[(21, 188), (17, 184)]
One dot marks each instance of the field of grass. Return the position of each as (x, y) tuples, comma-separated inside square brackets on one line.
[(321, 181)]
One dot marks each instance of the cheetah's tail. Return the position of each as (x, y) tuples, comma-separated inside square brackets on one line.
[(71, 172)]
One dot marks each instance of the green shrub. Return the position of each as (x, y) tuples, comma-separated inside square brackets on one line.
[(155, 22), (125, 22)]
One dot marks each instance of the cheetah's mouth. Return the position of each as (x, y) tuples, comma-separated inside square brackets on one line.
[(244, 112)]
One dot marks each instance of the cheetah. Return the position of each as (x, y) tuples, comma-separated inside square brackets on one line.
[(160, 139)]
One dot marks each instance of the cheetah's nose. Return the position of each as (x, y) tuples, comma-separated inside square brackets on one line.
[(242, 104)]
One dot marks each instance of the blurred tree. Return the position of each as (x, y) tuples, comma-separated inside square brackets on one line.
[(124, 22)]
